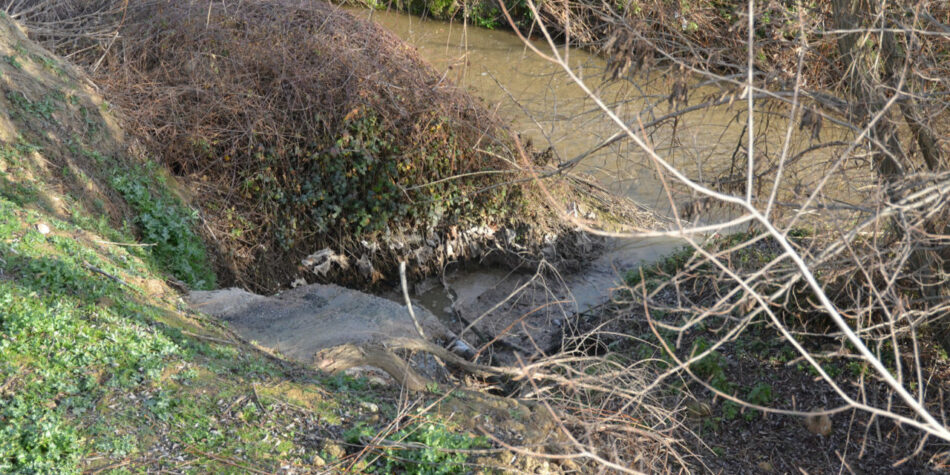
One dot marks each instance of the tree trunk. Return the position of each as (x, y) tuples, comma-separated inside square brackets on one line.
[(866, 89), (895, 62), (862, 86)]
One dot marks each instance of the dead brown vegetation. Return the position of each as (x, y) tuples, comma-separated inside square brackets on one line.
[(296, 125), (267, 105)]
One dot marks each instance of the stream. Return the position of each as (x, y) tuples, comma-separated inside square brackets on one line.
[(543, 104), (509, 314)]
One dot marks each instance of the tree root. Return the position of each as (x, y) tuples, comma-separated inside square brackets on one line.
[(380, 355)]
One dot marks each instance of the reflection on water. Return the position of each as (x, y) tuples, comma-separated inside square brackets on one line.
[(535, 95), (543, 104)]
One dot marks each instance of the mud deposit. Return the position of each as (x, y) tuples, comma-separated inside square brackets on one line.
[(300, 322), (525, 311)]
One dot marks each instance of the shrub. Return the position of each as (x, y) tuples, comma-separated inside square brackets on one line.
[(312, 128)]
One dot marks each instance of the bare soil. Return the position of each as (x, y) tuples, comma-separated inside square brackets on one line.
[(300, 322)]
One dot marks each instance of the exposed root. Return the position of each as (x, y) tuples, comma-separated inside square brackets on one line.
[(343, 357)]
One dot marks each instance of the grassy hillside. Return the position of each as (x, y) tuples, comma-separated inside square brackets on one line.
[(101, 368)]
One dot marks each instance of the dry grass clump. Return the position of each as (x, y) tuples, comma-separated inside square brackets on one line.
[(609, 416), (73, 28), (298, 126)]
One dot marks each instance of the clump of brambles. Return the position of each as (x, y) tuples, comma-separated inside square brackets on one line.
[(298, 126)]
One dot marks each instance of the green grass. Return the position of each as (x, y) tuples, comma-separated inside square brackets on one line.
[(60, 350), (92, 369), (96, 373), (161, 219)]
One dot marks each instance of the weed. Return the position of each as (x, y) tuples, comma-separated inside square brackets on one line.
[(164, 222), (486, 15), (49, 64), (833, 370), (8, 219), (751, 345), (17, 190), (353, 185), (667, 266), (761, 395), (357, 433), (730, 410), (12, 61), (786, 353), (711, 367), (342, 382), (18, 150), (43, 109), (442, 452), (92, 125), (711, 424), (441, 8)]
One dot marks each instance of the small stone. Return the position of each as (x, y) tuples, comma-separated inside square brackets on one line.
[(334, 450), (42, 229), (766, 467), (819, 424), (462, 349), (369, 406)]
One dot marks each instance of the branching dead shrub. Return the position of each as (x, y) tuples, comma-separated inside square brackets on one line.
[(830, 155), (302, 125), (298, 127)]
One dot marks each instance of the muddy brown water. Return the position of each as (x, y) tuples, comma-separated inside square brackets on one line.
[(542, 103)]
